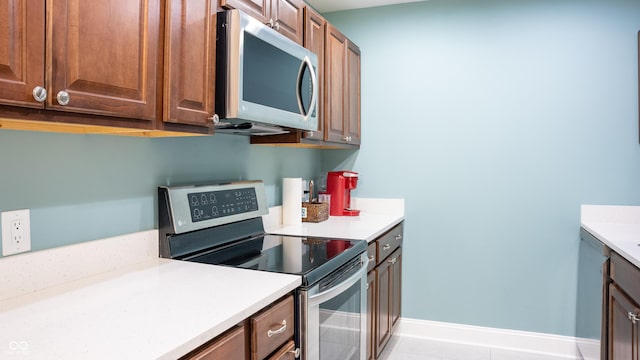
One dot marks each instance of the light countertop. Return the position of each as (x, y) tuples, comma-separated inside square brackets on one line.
[(376, 217), (95, 301), (618, 227), (157, 309)]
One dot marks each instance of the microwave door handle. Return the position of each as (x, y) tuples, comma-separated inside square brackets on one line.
[(339, 288), (314, 84)]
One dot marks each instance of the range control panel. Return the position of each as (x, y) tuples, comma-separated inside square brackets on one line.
[(197, 207), (216, 204)]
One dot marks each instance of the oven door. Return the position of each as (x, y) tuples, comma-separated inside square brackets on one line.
[(333, 315)]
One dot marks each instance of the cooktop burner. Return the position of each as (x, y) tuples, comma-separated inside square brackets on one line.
[(312, 258)]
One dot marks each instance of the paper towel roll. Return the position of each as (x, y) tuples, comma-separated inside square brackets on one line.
[(291, 201)]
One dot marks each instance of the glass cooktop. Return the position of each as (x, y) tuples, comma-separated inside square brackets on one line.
[(311, 257)]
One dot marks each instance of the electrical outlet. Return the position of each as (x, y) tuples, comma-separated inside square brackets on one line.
[(16, 232)]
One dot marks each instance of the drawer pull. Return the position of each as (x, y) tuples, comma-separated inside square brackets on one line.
[(633, 316), (295, 352), (372, 258), (386, 247), (399, 237), (392, 261), (270, 333)]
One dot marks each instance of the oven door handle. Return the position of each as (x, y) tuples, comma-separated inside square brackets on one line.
[(340, 287)]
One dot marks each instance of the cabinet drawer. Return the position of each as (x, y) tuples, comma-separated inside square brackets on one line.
[(287, 352), (271, 328), (229, 346), (626, 275), (389, 242), (372, 253)]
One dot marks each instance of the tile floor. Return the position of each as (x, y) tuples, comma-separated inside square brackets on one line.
[(412, 348)]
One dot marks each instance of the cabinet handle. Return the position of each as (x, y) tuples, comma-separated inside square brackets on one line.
[(392, 261), (215, 119), (276, 26), (346, 138), (269, 23), (295, 352), (39, 94), (63, 97), (372, 258), (386, 247), (270, 333), (399, 237), (633, 316)]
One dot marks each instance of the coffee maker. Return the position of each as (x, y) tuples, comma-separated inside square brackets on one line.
[(339, 185)]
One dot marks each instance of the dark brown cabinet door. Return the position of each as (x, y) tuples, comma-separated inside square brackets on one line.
[(22, 33), (288, 18), (383, 305), (259, 9), (353, 94), (334, 84), (371, 315), (189, 88), (103, 57), (342, 88), (623, 331), (314, 41), (396, 287)]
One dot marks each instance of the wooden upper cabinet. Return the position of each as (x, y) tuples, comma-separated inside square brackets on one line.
[(314, 40), (189, 68), (285, 16), (22, 33), (352, 111), (259, 9), (342, 88), (335, 84), (103, 55), (288, 18)]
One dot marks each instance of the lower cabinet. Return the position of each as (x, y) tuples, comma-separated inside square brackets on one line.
[(230, 345), (623, 315), (267, 334), (384, 288)]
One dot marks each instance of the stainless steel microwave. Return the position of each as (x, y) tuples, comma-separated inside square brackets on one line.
[(265, 82)]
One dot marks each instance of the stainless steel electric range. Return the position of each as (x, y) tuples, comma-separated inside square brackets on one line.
[(221, 224)]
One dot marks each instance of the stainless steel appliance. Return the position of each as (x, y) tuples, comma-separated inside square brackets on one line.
[(221, 224), (265, 82), (591, 300)]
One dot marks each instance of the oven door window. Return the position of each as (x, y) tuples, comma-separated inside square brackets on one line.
[(336, 317), (340, 322)]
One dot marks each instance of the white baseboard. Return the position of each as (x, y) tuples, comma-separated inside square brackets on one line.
[(563, 347)]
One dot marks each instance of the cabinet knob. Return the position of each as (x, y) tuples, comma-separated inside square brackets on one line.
[(308, 133), (276, 26), (63, 97), (269, 23), (215, 119), (633, 316), (270, 333), (40, 94), (295, 352), (347, 138)]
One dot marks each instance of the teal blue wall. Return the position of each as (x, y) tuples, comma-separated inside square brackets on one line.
[(496, 120), (86, 187)]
